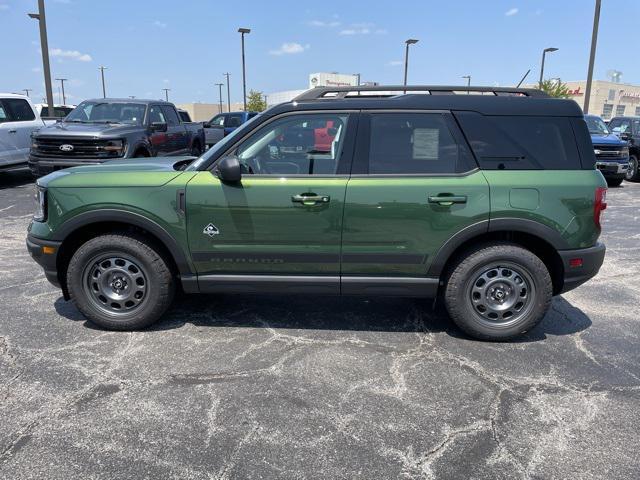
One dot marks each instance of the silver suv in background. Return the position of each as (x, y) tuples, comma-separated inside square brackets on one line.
[(18, 119)]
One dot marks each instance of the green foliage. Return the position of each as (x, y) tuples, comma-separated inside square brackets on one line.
[(555, 89), (256, 102)]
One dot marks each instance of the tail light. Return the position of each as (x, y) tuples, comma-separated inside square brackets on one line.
[(599, 204)]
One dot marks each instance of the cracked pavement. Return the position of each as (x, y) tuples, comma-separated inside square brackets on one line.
[(234, 387)]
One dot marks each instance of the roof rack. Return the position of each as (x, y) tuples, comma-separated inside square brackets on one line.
[(386, 91)]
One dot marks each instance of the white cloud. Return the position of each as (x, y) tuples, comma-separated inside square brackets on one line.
[(160, 24), (511, 12), (322, 23), (36, 69), (289, 48), (362, 29), (73, 54), (395, 63)]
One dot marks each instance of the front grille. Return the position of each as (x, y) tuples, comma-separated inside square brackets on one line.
[(82, 148), (609, 151)]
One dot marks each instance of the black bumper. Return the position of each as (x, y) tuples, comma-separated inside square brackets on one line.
[(611, 169), (592, 259), (46, 261), (41, 166)]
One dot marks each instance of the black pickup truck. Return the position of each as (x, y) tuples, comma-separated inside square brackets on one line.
[(107, 129)]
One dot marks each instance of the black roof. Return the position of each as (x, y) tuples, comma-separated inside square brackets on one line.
[(128, 100), (492, 101)]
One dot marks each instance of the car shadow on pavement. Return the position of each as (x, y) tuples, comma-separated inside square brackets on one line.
[(334, 313), (15, 178)]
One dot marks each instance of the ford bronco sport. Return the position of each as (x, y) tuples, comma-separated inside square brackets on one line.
[(487, 199)]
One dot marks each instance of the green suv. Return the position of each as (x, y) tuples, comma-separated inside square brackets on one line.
[(485, 197)]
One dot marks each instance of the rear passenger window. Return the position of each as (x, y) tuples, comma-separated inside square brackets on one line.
[(521, 143), (415, 143)]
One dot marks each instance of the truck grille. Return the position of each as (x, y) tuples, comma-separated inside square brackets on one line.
[(81, 148), (608, 151)]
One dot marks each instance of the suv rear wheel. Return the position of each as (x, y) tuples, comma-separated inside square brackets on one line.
[(498, 291), (120, 282)]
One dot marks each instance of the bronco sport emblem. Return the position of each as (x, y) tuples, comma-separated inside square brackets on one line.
[(211, 230)]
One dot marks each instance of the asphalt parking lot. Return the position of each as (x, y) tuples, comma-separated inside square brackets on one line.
[(279, 387)]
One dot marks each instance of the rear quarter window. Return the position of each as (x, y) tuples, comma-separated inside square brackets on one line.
[(521, 142)]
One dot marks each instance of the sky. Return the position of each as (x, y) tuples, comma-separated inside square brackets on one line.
[(187, 45)]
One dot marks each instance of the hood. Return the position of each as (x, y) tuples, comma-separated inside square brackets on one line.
[(135, 172), (609, 139), (64, 129)]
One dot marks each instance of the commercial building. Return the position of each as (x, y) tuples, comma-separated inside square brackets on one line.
[(321, 79), (201, 112), (608, 99)]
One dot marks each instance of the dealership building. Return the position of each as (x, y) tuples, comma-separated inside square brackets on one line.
[(322, 79), (608, 99)]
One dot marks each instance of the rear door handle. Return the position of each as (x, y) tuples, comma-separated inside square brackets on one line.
[(446, 200), (310, 199), (13, 131)]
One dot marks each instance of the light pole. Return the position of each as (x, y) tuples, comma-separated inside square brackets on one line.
[(228, 92), (357, 79), (411, 41), (468, 77), (62, 80), (44, 46), (104, 91), (27, 90), (592, 56), (220, 95), (544, 53), (242, 32), (166, 93)]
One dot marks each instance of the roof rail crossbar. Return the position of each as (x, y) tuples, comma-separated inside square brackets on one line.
[(368, 91)]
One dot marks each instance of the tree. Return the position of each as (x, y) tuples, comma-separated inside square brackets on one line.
[(555, 89), (256, 102)]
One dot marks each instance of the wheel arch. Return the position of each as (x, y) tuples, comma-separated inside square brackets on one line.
[(540, 239), (76, 231)]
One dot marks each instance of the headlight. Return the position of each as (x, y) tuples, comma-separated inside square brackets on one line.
[(40, 214), (114, 146)]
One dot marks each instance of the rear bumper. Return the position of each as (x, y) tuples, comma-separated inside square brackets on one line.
[(48, 261), (592, 259)]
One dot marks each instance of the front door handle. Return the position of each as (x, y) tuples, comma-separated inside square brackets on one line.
[(447, 200), (310, 199), (13, 131)]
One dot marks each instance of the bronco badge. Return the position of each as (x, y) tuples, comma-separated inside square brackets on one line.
[(211, 230)]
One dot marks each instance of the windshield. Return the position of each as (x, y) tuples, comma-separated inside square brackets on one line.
[(596, 126), (223, 144), (108, 112)]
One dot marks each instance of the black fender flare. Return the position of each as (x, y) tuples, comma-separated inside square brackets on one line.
[(522, 225), (131, 218)]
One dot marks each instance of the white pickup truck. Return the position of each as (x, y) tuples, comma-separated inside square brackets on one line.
[(18, 118)]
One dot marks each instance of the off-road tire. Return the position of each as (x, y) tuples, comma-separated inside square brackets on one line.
[(633, 174), (471, 267), (135, 250), (614, 182)]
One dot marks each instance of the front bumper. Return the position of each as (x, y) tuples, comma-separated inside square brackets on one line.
[(41, 166), (48, 261), (612, 169), (592, 259)]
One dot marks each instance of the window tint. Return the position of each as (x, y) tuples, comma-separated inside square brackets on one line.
[(412, 144), (521, 143), (620, 125), (218, 120), (156, 115), (171, 115), (20, 109), (184, 116), (296, 145), (233, 120), (4, 117)]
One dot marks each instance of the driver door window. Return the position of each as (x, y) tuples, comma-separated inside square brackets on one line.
[(309, 144)]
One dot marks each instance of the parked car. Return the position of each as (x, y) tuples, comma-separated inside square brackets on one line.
[(628, 128), (490, 202), (106, 129), (612, 153), (59, 110), (223, 124), (18, 120)]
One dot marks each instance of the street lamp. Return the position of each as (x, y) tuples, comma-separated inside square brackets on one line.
[(220, 95), (104, 91), (242, 32), (62, 80), (468, 77), (40, 16), (592, 56), (27, 90), (411, 41), (544, 53), (228, 91), (166, 93)]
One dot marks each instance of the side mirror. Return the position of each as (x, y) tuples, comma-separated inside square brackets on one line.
[(206, 124), (229, 170), (625, 136), (158, 126)]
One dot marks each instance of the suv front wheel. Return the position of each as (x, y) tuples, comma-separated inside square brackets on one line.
[(498, 291), (120, 282)]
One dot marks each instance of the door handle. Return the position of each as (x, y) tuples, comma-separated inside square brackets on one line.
[(310, 199), (447, 200), (13, 131)]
